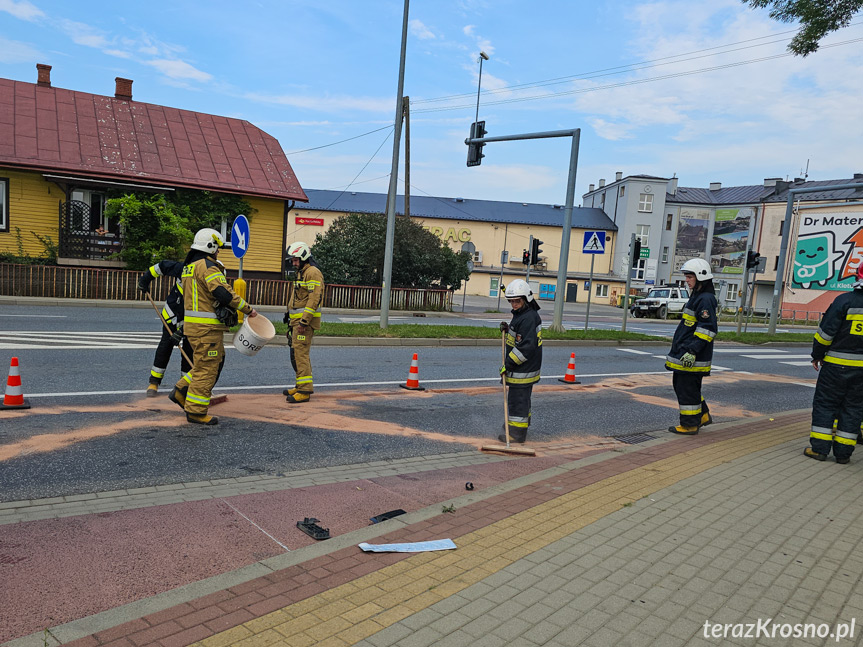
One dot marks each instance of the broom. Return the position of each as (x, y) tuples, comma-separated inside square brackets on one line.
[(506, 449)]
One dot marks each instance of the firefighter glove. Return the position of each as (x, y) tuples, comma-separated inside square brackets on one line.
[(502, 369), (287, 318), (144, 282), (504, 327), (688, 360), (177, 337)]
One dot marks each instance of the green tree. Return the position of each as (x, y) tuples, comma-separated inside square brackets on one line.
[(209, 209), (153, 229), (351, 252), (817, 17)]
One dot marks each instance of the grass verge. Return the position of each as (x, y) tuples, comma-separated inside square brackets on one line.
[(763, 337)]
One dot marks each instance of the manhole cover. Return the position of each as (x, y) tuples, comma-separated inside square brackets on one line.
[(633, 439)]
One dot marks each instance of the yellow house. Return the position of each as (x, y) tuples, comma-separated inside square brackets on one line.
[(62, 150), (489, 230)]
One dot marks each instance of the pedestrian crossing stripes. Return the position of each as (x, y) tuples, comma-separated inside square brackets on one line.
[(77, 340), (774, 354)]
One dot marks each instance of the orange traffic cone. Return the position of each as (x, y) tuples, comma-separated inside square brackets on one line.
[(413, 382), (569, 378), (14, 396)]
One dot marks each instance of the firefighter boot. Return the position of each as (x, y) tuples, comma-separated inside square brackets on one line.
[(297, 397), (811, 453), (684, 431), (179, 397), (706, 419), (289, 391), (152, 390), (203, 419), (843, 461)]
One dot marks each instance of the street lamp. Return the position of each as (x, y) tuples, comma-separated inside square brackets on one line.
[(482, 57)]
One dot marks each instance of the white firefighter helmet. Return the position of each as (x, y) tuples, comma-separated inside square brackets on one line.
[(699, 267), (208, 240), (299, 250), (519, 288)]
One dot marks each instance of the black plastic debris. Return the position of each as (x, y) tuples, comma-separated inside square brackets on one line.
[(310, 526), (387, 515), (468, 486)]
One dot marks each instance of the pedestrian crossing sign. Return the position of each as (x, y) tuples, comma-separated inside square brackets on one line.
[(594, 242)]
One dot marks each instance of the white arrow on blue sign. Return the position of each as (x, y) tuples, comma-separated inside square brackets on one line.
[(594, 242), (240, 236)]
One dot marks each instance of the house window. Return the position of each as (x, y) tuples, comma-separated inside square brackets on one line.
[(601, 290), (781, 226), (87, 213), (638, 272), (645, 202), (669, 219), (731, 292), (4, 204), (602, 203), (622, 191), (664, 254), (642, 233), (776, 264)]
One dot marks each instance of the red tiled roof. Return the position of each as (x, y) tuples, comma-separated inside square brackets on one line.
[(52, 129)]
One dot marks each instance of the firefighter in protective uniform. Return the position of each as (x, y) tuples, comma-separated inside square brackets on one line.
[(210, 307), (521, 368), (692, 347), (172, 313), (304, 318), (838, 352)]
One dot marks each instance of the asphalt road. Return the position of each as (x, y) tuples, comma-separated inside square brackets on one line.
[(91, 429)]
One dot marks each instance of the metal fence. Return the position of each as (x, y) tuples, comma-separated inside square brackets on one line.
[(54, 281)]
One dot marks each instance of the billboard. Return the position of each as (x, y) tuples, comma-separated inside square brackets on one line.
[(730, 237), (692, 230), (829, 248)]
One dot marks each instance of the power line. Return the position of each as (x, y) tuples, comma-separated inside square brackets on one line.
[(306, 150), (336, 188), (631, 81), (360, 173)]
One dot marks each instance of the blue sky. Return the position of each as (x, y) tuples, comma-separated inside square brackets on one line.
[(312, 73)]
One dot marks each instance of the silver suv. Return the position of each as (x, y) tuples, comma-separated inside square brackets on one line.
[(660, 301)]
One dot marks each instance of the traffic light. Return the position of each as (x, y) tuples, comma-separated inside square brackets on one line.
[(535, 251), (474, 151), (636, 253), (752, 259), (525, 258)]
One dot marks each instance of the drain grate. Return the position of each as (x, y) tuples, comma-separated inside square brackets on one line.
[(633, 439)]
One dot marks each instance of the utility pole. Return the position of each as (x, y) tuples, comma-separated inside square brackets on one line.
[(529, 259), (406, 103), (629, 263), (386, 288)]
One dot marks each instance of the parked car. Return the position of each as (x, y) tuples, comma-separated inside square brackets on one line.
[(660, 301)]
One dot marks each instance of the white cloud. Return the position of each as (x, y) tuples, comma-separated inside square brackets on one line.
[(179, 70), (419, 30), (326, 103), (119, 53), (23, 9), (83, 34), (611, 131), (13, 51)]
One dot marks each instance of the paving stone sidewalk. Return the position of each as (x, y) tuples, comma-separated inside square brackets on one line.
[(637, 547)]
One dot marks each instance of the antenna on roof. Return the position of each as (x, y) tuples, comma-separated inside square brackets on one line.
[(805, 173)]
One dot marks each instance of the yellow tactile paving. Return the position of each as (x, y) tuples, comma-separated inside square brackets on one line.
[(352, 612)]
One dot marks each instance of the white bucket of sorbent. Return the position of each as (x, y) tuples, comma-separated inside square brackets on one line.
[(253, 334)]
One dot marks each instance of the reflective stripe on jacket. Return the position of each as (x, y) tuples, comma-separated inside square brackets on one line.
[(695, 334), (172, 311), (205, 288), (839, 338), (307, 297)]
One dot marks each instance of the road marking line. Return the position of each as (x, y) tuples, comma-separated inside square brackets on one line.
[(806, 363), (227, 503), (775, 357), (633, 351)]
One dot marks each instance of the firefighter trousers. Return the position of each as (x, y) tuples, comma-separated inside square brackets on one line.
[(518, 411), (300, 360), (163, 355), (208, 350), (837, 397), (687, 388)]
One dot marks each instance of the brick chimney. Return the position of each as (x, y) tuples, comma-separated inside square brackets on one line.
[(44, 80), (123, 89)]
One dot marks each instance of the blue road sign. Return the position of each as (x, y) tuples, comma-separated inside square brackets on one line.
[(240, 236), (594, 242)]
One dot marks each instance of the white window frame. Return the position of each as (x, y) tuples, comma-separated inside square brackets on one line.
[(639, 271), (645, 202), (669, 221), (732, 292), (642, 234), (4, 204), (665, 254), (601, 290)]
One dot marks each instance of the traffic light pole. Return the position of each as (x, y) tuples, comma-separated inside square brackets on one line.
[(629, 263), (529, 259), (575, 134)]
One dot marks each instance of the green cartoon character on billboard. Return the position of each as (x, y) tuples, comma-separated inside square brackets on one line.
[(814, 259)]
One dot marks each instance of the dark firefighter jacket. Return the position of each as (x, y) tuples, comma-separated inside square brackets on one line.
[(172, 311), (524, 346), (695, 334), (839, 338)]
